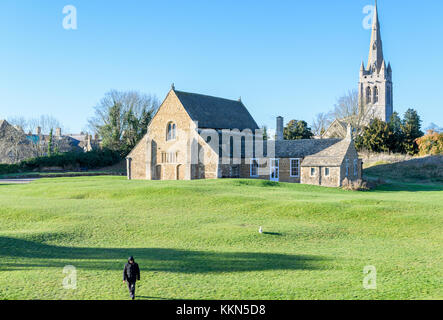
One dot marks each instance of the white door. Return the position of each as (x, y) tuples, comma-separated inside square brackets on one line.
[(275, 170)]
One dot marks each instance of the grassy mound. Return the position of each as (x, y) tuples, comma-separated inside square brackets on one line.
[(199, 239), (428, 169)]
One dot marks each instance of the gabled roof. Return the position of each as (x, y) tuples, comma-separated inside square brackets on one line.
[(331, 156), (216, 113), (301, 148)]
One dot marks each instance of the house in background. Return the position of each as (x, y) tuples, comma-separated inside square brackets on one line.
[(16, 145), (178, 147)]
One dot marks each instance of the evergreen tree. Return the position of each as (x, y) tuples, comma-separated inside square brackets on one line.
[(376, 137), (296, 130), (265, 133), (50, 143), (411, 131), (396, 141)]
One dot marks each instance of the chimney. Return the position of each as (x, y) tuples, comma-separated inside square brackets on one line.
[(349, 132), (279, 129), (39, 131), (58, 132)]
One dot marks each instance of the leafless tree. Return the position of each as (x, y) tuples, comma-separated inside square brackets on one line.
[(121, 118), (14, 146), (349, 109), (45, 122), (321, 123)]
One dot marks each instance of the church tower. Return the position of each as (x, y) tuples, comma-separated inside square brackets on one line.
[(375, 86)]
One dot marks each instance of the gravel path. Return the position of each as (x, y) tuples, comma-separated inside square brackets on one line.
[(16, 181)]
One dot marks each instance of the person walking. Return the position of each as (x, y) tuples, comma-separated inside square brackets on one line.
[(131, 274)]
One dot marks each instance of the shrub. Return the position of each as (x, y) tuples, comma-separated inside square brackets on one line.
[(430, 144), (357, 185), (9, 168), (68, 161)]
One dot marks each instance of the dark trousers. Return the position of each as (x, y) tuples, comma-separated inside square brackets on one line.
[(131, 288)]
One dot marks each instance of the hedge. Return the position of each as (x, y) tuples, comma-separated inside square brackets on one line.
[(87, 160)]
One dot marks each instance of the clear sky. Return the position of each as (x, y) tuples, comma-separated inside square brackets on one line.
[(291, 58)]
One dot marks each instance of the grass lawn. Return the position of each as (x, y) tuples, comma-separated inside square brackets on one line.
[(200, 240)]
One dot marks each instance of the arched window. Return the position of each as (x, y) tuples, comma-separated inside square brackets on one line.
[(375, 94), (368, 95), (171, 131)]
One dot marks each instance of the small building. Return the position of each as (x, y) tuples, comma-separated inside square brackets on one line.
[(194, 136)]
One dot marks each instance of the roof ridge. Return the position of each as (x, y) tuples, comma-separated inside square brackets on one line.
[(206, 95)]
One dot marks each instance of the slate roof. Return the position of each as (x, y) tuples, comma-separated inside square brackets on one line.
[(301, 148), (216, 113), (330, 156)]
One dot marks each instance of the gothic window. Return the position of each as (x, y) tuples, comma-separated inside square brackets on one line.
[(375, 94), (171, 131), (347, 167), (368, 95)]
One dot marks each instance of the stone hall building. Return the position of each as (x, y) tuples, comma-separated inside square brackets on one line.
[(194, 136)]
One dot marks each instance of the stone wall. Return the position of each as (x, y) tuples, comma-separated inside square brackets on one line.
[(157, 158)]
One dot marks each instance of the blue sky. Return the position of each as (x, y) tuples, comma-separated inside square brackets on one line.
[(292, 58)]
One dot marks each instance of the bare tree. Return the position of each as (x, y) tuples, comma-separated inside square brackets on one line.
[(321, 123), (121, 118), (14, 146), (45, 122), (349, 109)]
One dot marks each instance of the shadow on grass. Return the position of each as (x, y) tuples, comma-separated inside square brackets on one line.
[(153, 298), (150, 259), (273, 234)]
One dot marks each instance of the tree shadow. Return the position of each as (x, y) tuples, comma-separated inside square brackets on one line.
[(151, 259), (153, 298)]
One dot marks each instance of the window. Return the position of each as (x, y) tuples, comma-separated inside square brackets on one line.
[(375, 94), (254, 168), (347, 167), (171, 131), (326, 172), (295, 168), (312, 172), (169, 157), (368, 95), (355, 167)]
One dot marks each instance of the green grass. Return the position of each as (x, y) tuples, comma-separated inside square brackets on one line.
[(424, 170), (200, 240)]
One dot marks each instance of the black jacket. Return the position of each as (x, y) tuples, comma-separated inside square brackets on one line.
[(131, 272)]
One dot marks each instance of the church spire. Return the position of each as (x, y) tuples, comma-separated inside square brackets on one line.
[(376, 48)]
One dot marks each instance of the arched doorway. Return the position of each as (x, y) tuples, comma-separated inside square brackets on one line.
[(180, 172), (158, 172)]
